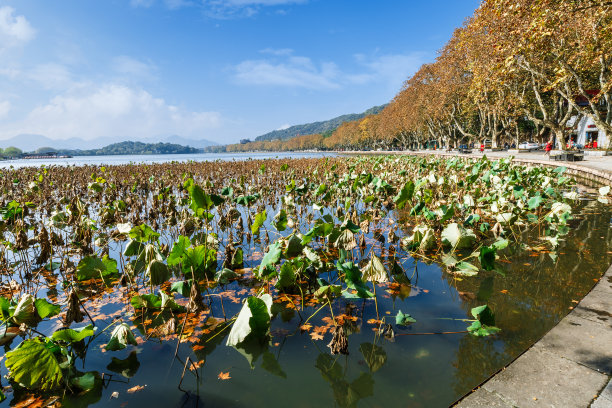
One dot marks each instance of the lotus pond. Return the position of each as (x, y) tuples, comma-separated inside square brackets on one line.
[(380, 281)]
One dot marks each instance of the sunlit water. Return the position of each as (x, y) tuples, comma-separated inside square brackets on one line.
[(416, 370), (158, 158)]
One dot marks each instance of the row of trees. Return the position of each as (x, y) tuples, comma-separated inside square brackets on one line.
[(517, 69)]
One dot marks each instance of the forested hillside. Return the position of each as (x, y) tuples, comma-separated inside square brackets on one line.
[(325, 126), (134, 148)]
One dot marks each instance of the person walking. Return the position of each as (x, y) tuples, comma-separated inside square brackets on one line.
[(482, 148), (548, 148)]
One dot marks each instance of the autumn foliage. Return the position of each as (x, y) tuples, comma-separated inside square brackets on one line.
[(515, 70)]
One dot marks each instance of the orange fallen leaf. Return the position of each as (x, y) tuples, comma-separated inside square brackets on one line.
[(504, 291), (374, 321), (316, 336), (306, 327), (136, 389), (196, 365), (223, 376)]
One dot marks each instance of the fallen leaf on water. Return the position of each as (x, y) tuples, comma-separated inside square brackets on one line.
[(504, 291), (316, 336), (306, 327), (196, 365), (115, 394), (136, 389), (374, 321), (223, 376)]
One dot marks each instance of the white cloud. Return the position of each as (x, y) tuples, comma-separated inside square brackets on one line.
[(134, 68), (141, 3), (285, 126), (283, 68), (294, 71), (5, 107), (111, 111), (256, 2), (393, 69), (221, 9), (277, 51), (14, 30), (224, 9), (50, 76), (171, 4)]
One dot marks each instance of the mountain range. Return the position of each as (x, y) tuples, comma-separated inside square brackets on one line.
[(31, 142), (326, 126)]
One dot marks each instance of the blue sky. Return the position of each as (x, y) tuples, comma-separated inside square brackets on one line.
[(108, 70)]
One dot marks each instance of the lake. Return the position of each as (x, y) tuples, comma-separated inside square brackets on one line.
[(548, 261), (159, 158)]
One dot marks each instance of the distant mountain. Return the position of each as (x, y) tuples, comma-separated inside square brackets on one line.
[(31, 142), (133, 148), (200, 143), (317, 127)]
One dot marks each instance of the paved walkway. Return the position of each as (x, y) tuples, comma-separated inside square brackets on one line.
[(571, 366)]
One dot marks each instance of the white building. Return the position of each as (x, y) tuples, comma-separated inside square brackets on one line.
[(585, 133)]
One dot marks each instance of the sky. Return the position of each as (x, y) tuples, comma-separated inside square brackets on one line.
[(222, 70)]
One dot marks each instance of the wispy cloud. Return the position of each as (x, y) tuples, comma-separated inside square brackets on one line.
[(222, 9), (133, 68), (292, 71), (392, 69), (277, 51), (5, 107), (110, 110), (50, 76), (14, 30), (284, 69)]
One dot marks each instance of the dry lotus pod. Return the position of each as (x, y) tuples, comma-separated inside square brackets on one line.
[(73, 314), (339, 341), (45, 246), (196, 302), (230, 252), (365, 226), (169, 327), (21, 242), (362, 241), (392, 236)]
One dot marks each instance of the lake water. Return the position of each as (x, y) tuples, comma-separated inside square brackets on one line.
[(159, 158), (535, 288)]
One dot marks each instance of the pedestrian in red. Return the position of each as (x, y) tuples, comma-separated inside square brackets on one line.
[(482, 148), (548, 148)]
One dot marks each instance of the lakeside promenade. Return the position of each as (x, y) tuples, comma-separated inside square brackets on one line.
[(571, 365)]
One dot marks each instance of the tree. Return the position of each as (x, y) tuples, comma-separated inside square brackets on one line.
[(12, 152)]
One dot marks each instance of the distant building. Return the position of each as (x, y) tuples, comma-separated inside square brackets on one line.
[(245, 141), (584, 131)]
